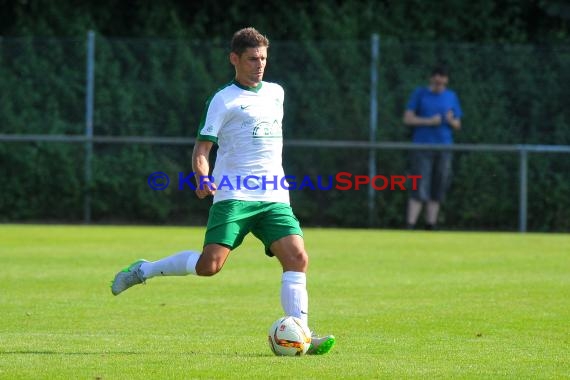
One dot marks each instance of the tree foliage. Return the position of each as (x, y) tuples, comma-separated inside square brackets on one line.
[(524, 21)]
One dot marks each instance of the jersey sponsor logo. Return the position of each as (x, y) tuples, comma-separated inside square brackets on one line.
[(266, 129), (244, 107), (263, 128)]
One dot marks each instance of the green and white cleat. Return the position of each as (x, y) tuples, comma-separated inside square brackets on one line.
[(321, 345), (130, 276)]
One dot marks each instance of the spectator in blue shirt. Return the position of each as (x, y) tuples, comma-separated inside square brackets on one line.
[(433, 113)]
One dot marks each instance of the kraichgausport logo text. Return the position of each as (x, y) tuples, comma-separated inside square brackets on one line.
[(342, 181)]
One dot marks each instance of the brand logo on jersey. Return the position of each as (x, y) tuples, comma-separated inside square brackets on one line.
[(244, 107)]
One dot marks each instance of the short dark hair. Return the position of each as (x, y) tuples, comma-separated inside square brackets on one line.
[(247, 38), (441, 70)]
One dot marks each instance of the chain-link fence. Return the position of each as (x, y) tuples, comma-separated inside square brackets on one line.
[(157, 87)]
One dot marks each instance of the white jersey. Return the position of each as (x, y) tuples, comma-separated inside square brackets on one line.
[(246, 123)]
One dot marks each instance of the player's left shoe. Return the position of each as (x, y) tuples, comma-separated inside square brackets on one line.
[(321, 345), (130, 276)]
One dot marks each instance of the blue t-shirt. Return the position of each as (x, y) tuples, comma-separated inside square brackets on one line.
[(427, 104)]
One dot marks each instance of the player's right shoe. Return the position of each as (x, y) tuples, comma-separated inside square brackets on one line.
[(321, 345), (130, 276)]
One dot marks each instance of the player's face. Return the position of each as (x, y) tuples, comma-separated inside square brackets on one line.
[(438, 83), (250, 65)]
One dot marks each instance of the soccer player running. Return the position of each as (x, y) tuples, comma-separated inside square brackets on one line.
[(244, 118)]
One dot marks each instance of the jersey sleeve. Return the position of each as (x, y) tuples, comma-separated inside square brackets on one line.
[(414, 101), (212, 119)]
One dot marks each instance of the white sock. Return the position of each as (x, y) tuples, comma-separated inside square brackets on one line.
[(179, 264), (414, 209), (432, 210), (294, 297)]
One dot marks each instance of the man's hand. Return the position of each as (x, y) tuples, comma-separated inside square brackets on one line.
[(435, 120), (205, 188), (451, 120)]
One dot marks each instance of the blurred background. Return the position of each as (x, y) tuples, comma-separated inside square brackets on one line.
[(97, 95)]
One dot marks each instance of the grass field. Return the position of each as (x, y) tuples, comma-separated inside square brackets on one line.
[(402, 305)]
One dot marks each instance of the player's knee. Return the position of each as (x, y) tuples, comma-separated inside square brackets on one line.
[(211, 260), (303, 258), (208, 267), (299, 259)]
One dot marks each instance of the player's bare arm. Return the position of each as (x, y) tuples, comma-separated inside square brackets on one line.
[(452, 120), (412, 120), (201, 168)]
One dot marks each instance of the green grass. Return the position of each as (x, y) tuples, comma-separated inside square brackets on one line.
[(401, 304)]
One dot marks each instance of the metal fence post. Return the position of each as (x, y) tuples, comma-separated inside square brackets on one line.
[(90, 88), (375, 53), (523, 182)]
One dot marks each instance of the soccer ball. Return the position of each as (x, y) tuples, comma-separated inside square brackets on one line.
[(289, 336)]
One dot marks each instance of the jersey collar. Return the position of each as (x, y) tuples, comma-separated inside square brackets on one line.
[(254, 89)]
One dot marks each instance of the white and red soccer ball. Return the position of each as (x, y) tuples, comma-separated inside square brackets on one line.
[(289, 336)]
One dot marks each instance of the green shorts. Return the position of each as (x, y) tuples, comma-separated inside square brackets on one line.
[(231, 220)]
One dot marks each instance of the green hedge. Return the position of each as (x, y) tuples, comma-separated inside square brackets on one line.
[(512, 78)]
